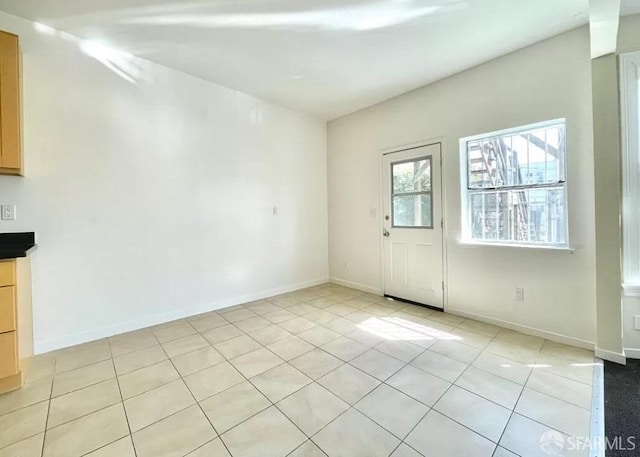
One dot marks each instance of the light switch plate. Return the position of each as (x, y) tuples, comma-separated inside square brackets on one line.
[(8, 212), (636, 322)]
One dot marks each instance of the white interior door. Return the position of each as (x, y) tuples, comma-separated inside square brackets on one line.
[(412, 229)]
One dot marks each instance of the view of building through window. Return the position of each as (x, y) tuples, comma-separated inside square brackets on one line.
[(516, 185)]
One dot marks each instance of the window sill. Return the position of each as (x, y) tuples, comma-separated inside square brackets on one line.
[(483, 244), (631, 290)]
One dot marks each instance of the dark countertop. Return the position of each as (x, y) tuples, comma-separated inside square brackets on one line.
[(14, 245)]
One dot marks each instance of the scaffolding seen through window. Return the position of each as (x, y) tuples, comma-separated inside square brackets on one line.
[(516, 185)]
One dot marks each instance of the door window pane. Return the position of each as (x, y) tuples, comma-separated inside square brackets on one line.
[(411, 195), (412, 176), (412, 211)]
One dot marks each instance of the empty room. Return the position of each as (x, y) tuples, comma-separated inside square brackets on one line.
[(319, 228)]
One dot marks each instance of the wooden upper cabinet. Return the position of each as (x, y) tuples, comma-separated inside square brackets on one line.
[(10, 115)]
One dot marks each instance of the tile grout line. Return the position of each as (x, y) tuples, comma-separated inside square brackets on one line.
[(168, 359), (521, 363), (182, 378), (308, 438), (101, 409), (228, 360), (407, 363), (265, 396), (126, 416), (365, 395), (451, 384), (469, 365), (121, 402), (513, 411), (122, 374), (107, 342), (320, 324), (194, 399), (46, 423), (255, 387), (272, 404), (429, 408), (402, 441)]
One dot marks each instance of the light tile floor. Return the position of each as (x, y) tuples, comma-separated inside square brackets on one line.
[(322, 371)]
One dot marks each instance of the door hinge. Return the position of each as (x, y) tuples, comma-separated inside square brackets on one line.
[(441, 223), (443, 286)]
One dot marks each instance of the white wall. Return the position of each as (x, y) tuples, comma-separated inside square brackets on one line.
[(549, 80), (153, 199), (631, 336)]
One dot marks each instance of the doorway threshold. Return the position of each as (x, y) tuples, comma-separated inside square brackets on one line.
[(411, 302)]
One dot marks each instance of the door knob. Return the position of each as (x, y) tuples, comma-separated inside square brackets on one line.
[(385, 232)]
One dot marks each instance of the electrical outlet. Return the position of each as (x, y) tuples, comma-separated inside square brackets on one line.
[(346, 265), (519, 294), (275, 210), (8, 212), (636, 322)]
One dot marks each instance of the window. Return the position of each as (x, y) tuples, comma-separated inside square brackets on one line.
[(514, 191), (411, 194), (630, 123)]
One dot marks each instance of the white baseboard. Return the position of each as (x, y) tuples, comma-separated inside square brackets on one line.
[(556, 337), (53, 344), (632, 353), (357, 286), (611, 356)]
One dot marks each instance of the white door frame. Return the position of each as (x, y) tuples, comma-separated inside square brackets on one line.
[(443, 187)]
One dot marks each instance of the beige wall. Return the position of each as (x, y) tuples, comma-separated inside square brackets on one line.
[(629, 34), (549, 80), (606, 132)]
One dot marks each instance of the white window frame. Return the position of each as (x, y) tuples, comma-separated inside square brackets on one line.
[(466, 235), (630, 124)]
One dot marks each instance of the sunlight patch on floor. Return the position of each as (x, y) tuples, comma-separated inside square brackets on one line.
[(395, 328)]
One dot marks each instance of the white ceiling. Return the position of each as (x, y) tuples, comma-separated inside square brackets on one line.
[(323, 57)]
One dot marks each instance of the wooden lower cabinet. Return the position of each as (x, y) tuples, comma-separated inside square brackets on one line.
[(8, 354), (7, 273), (10, 375), (7, 309)]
